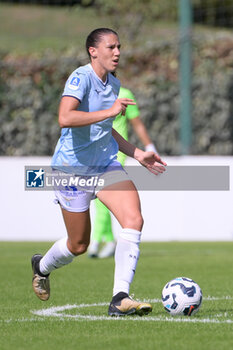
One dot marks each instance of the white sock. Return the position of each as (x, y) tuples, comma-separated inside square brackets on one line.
[(126, 258), (58, 255)]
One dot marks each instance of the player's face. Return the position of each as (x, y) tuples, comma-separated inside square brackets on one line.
[(107, 53)]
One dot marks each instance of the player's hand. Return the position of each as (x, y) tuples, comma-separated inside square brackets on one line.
[(120, 106), (151, 161)]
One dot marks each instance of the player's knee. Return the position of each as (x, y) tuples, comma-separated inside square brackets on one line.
[(139, 222), (135, 221), (78, 248)]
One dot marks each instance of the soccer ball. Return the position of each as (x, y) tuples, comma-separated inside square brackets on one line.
[(181, 297)]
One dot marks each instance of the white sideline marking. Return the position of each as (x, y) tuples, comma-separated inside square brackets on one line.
[(58, 311), (135, 318), (228, 297)]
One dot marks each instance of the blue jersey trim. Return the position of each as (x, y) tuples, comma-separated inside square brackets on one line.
[(76, 98)]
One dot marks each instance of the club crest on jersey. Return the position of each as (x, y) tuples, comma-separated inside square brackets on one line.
[(74, 83)]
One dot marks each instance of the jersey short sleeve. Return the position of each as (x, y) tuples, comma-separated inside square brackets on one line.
[(76, 85)]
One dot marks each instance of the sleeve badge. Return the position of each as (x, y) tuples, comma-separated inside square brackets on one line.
[(74, 83)]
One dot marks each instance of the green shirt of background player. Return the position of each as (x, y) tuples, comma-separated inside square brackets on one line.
[(102, 231)]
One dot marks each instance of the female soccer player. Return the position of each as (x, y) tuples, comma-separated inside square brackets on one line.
[(88, 146)]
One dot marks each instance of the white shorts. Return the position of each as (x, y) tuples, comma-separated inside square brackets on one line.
[(78, 198)]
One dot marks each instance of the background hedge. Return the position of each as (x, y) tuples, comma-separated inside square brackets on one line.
[(30, 91), (209, 12)]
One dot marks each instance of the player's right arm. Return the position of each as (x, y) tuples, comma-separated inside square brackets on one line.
[(69, 116), (149, 160)]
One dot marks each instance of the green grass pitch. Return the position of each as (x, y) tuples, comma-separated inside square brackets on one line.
[(75, 317)]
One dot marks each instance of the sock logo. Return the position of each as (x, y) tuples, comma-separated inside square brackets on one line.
[(133, 256)]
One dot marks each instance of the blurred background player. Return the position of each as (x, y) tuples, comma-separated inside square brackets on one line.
[(102, 232)]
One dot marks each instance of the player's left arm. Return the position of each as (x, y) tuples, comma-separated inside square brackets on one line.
[(150, 160)]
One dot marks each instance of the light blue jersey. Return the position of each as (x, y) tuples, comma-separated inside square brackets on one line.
[(83, 150)]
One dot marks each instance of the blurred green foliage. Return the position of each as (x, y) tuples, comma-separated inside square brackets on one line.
[(213, 12), (149, 9), (53, 39), (30, 91), (84, 3), (131, 15), (210, 12)]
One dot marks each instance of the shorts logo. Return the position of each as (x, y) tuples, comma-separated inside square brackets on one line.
[(74, 83), (35, 178)]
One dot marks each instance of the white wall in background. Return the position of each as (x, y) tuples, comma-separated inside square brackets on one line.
[(169, 215)]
